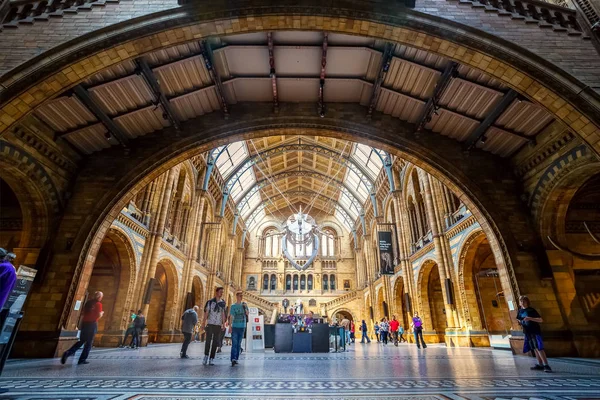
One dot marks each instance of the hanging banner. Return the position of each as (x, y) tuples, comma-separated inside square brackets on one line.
[(386, 253)]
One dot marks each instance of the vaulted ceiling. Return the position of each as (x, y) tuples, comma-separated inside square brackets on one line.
[(178, 84)]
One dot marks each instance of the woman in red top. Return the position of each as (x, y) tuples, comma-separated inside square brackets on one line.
[(92, 312)]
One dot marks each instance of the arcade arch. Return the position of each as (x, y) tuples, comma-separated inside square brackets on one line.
[(163, 303)]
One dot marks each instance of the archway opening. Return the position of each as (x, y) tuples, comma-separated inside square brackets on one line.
[(161, 311), (11, 218), (401, 311), (435, 299), (111, 275)]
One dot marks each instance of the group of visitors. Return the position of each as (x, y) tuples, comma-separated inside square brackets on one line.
[(218, 327), (392, 330), (137, 324)]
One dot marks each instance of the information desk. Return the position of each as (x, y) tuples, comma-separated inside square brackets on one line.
[(288, 341)]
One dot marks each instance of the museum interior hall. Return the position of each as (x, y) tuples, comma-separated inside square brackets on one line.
[(347, 169)]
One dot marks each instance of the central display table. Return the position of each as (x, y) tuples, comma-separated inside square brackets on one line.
[(288, 341)]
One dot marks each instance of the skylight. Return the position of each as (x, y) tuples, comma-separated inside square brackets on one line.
[(367, 157), (231, 157)]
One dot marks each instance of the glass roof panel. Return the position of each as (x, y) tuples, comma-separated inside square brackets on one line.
[(347, 203), (340, 217), (366, 156), (246, 180), (233, 155), (355, 183), (249, 205)]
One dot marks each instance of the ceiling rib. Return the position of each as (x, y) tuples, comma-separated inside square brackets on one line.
[(479, 132), (159, 95), (272, 72), (322, 77), (206, 54), (114, 130), (386, 59), (432, 103)]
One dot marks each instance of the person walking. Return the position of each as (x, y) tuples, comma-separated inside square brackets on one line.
[(238, 315), (384, 328), (92, 312), (401, 334), (352, 331), (530, 320), (376, 328), (8, 276), (130, 329), (139, 324), (189, 320), (394, 324), (417, 326), (365, 334), (214, 321), (346, 338)]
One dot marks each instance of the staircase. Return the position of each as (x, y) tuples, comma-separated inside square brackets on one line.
[(266, 306), (339, 301)]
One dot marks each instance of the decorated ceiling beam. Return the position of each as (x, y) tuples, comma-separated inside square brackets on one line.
[(206, 53), (386, 60), (272, 72), (431, 106), (479, 132), (159, 95), (322, 76), (250, 161), (251, 191), (113, 129)]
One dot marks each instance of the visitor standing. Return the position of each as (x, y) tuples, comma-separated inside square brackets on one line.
[(352, 331), (394, 324), (8, 275), (376, 328), (139, 324), (417, 326), (189, 320), (346, 325), (214, 323), (238, 314), (92, 312), (530, 320), (365, 334), (130, 329)]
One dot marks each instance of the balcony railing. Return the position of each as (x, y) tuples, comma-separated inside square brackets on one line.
[(422, 242)]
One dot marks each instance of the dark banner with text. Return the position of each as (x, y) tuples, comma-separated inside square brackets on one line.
[(386, 253)]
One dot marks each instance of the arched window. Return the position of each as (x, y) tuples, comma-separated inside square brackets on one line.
[(273, 282), (310, 282), (295, 282), (271, 243), (332, 282), (265, 282), (288, 282), (328, 243), (325, 283), (303, 282)]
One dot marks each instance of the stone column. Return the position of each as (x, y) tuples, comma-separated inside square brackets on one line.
[(193, 233), (441, 261), (403, 248), (158, 234)]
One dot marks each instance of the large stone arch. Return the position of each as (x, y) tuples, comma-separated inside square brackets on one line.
[(161, 323), (157, 153), (422, 284), (465, 280), (563, 95)]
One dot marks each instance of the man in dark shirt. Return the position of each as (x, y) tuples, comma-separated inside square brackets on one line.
[(530, 320), (92, 312), (139, 324)]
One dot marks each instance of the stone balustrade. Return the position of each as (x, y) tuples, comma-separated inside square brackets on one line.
[(341, 300)]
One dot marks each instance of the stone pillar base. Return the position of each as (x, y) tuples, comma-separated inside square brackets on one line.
[(467, 338), (168, 337), (42, 344), (432, 337), (115, 338)]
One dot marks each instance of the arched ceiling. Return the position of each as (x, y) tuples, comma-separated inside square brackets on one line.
[(174, 86)]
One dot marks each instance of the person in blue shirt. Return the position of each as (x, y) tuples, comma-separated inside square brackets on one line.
[(238, 315)]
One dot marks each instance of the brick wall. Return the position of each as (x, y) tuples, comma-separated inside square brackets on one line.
[(571, 53)]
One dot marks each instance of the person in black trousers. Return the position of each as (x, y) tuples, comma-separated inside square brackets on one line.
[(214, 321), (92, 312), (189, 320), (139, 324)]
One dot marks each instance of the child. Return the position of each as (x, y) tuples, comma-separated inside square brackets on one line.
[(530, 320)]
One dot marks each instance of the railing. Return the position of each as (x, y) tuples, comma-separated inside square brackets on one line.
[(259, 301), (422, 242), (338, 301), (545, 14), (14, 12), (456, 216)]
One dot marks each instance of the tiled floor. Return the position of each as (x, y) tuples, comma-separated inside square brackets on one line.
[(365, 371)]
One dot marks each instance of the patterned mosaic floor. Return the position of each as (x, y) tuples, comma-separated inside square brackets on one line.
[(364, 372)]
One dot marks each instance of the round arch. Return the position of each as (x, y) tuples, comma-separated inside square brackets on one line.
[(465, 279), (422, 290), (198, 294), (344, 312), (455, 175), (163, 304)]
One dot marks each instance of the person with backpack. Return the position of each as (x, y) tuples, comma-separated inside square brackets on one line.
[(139, 324), (189, 320), (417, 326), (92, 312), (214, 321)]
